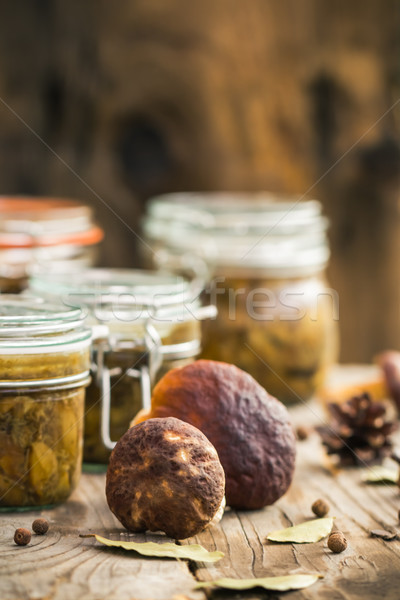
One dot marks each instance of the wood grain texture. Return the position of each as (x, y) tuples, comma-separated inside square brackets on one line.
[(166, 96), (63, 566), (369, 568)]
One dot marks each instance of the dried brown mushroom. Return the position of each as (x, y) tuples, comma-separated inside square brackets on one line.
[(389, 362), (249, 428), (164, 475)]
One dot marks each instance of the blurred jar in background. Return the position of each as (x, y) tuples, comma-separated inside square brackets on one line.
[(266, 259), (44, 233), (143, 324)]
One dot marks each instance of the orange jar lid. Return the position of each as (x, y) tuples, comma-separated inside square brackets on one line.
[(26, 222)]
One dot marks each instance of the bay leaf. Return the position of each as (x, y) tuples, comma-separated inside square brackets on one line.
[(166, 550), (282, 583), (304, 533), (380, 474)]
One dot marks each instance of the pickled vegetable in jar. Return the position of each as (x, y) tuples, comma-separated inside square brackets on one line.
[(284, 332), (44, 233), (44, 369), (277, 315), (143, 324)]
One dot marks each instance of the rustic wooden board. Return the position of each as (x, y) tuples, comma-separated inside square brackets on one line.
[(369, 568), (63, 566)]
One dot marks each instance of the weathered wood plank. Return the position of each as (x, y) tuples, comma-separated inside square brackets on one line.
[(63, 566), (369, 568)]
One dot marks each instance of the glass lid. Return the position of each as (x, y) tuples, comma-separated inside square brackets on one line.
[(15, 308), (19, 212), (29, 322), (280, 234), (128, 286), (123, 295), (238, 210), (26, 222)]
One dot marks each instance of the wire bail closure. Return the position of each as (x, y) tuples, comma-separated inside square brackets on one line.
[(144, 373)]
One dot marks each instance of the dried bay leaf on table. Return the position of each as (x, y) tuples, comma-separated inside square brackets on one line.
[(379, 474), (166, 550), (304, 533), (283, 583)]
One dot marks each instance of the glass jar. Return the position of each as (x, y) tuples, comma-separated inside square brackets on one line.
[(143, 324), (266, 260), (44, 369), (44, 233)]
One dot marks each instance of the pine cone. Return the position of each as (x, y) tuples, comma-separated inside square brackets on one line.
[(358, 433)]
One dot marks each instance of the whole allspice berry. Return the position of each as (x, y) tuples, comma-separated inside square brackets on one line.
[(337, 542), (22, 536), (302, 433), (320, 508), (40, 526)]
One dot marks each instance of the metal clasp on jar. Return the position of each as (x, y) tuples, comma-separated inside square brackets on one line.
[(150, 360), (155, 352)]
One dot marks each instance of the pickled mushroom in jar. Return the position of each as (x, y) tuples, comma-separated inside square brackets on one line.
[(40, 446), (288, 353)]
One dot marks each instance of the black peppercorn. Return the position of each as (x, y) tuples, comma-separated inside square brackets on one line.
[(22, 536), (40, 526)]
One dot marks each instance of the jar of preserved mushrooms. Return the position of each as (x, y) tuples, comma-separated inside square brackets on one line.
[(44, 233), (44, 369), (143, 324), (266, 261)]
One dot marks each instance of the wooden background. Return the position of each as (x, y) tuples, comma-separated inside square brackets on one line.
[(141, 97)]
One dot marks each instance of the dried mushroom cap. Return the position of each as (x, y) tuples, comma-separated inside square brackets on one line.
[(389, 362), (249, 428), (164, 475)]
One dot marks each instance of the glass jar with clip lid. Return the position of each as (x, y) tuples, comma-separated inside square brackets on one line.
[(44, 369), (44, 233), (143, 324), (266, 258)]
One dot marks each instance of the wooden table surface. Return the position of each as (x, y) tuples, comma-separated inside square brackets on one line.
[(62, 566)]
